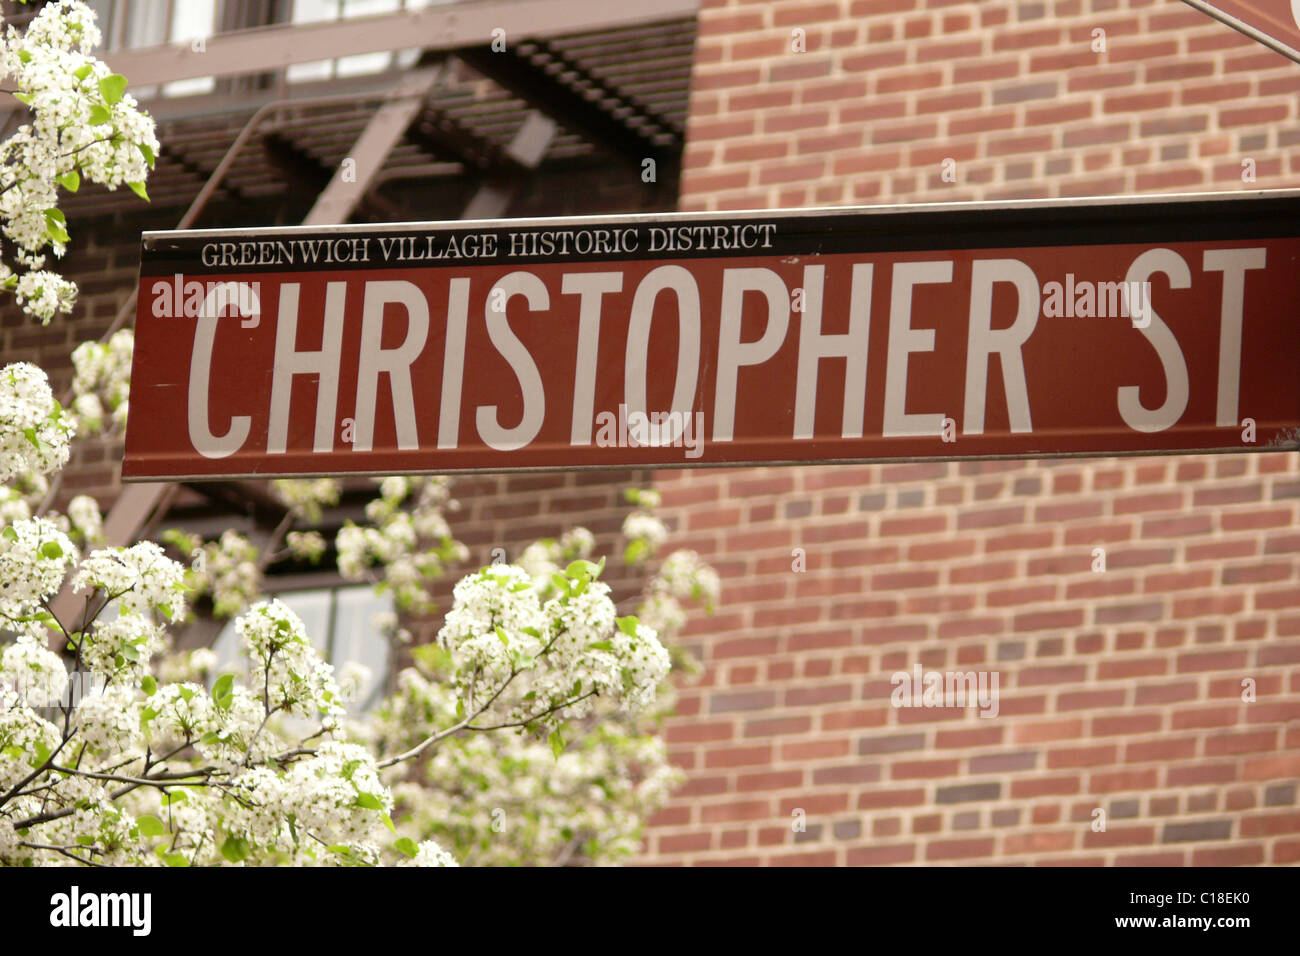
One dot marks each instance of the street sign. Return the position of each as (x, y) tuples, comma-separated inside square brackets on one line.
[(965, 330), (1274, 23)]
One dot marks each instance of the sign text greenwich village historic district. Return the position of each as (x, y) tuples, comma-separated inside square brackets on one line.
[(1023, 329)]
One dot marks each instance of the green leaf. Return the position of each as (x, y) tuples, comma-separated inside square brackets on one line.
[(24, 56), (52, 549), (584, 570), (235, 849), (112, 87), (388, 822), (24, 98), (56, 215), (628, 625), (369, 801), (9, 533), (406, 846), (501, 636), (147, 152), (139, 190), (557, 743), (175, 859), (82, 72), (600, 646), (222, 691), (150, 826), (99, 115), (186, 693), (149, 685), (635, 550)]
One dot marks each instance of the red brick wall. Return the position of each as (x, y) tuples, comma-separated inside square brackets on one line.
[(1120, 690)]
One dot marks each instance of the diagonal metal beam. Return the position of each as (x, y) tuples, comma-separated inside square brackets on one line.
[(525, 152), (387, 126), (545, 78)]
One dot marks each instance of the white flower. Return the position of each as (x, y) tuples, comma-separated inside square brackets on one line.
[(141, 577), (284, 662), (34, 432), (36, 671), (83, 511), (645, 527), (684, 575), (34, 557), (109, 720), (430, 854)]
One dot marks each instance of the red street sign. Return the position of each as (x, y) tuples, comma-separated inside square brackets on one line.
[(967, 330), (1274, 23)]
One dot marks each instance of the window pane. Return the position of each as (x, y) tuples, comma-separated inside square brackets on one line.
[(146, 23), (357, 638), (314, 609)]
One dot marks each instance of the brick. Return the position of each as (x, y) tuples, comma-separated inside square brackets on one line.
[(1196, 832), (879, 855), (959, 849), (966, 793)]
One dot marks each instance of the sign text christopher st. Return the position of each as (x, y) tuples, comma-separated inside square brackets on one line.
[(1024, 329)]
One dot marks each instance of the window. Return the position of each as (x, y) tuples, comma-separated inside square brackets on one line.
[(343, 624), (132, 24), (317, 11)]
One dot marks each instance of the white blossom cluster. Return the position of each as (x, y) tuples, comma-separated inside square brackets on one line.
[(83, 124), (231, 573), (644, 533), (14, 505), (408, 541), (86, 519), (146, 588), (306, 545), (548, 557), (284, 664), (308, 497), (334, 792), (529, 807), (34, 431), (35, 554), (101, 383), (566, 651)]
